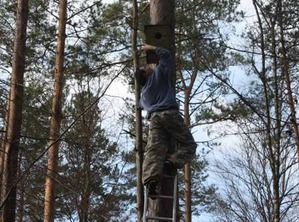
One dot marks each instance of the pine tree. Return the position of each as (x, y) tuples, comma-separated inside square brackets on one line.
[(264, 166), (11, 142)]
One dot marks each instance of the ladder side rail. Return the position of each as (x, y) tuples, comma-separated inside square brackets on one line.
[(175, 192), (145, 205)]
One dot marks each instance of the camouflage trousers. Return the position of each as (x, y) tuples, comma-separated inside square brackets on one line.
[(165, 126)]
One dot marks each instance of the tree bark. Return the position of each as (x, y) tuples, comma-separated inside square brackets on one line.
[(286, 74), (162, 13), (187, 168), (4, 140), (14, 117), (138, 124), (50, 185)]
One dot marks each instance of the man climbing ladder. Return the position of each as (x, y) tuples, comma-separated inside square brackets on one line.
[(158, 99)]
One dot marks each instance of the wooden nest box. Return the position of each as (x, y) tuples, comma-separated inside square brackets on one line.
[(157, 35)]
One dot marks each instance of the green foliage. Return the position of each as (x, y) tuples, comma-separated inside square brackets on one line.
[(91, 175), (35, 133), (7, 12)]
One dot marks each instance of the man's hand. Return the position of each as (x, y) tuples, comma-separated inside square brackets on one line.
[(147, 47)]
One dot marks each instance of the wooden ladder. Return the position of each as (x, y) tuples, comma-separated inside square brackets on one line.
[(147, 217)]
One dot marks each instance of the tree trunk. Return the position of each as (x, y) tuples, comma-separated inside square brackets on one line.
[(286, 74), (85, 197), (162, 13), (14, 118), (188, 214), (138, 126), (4, 139), (50, 186)]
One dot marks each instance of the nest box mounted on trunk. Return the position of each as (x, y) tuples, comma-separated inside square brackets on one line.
[(157, 35)]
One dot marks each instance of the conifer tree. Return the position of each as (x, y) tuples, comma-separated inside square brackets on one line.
[(11, 142), (56, 116)]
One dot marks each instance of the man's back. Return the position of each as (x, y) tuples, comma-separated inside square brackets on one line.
[(158, 93)]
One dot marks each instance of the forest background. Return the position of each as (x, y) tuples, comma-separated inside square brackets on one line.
[(237, 71)]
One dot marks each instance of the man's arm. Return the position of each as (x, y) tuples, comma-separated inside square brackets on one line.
[(163, 53), (147, 47)]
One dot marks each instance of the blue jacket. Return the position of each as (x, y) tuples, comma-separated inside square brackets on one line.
[(158, 94)]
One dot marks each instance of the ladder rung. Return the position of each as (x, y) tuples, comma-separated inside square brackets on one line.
[(158, 218), (161, 196)]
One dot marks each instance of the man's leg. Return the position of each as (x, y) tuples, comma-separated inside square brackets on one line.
[(155, 151), (175, 126)]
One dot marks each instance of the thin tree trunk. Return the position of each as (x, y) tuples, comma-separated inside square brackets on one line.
[(274, 151), (138, 126), (85, 198), (274, 146), (4, 141), (188, 196), (286, 74), (14, 118), (50, 185), (187, 169)]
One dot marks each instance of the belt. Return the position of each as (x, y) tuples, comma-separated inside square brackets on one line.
[(148, 116)]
